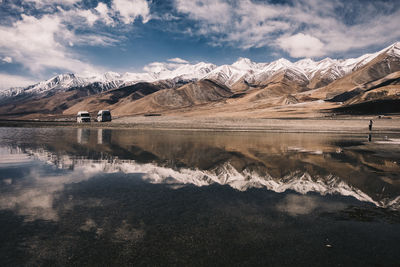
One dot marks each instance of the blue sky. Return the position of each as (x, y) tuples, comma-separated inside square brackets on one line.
[(41, 38)]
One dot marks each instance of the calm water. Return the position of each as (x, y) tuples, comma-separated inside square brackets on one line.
[(125, 197)]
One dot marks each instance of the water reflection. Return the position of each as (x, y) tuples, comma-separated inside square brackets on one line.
[(279, 162), (303, 163), (123, 197)]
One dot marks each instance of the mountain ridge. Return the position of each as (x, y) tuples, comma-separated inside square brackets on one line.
[(260, 86), (113, 80)]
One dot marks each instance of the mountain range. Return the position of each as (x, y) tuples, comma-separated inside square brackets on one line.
[(367, 84)]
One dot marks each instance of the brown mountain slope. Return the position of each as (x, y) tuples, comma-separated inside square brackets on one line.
[(380, 96), (378, 68), (274, 101), (49, 104), (110, 99), (189, 95), (322, 79), (281, 83), (385, 87)]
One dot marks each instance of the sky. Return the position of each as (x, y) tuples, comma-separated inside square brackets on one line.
[(43, 38)]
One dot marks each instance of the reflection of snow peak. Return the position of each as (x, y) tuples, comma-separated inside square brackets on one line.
[(225, 174), (302, 183), (392, 141)]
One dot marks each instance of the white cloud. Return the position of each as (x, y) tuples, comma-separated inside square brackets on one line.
[(41, 3), (7, 59), (301, 45), (104, 12), (178, 60), (41, 43), (47, 42), (89, 16), (214, 11), (155, 67), (94, 40), (241, 23), (171, 65), (7, 81), (319, 26), (129, 10)]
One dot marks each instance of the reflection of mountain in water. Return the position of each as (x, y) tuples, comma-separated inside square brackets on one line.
[(327, 164), (185, 161)]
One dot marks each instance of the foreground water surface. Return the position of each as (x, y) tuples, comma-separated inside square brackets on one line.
[(125, 197)]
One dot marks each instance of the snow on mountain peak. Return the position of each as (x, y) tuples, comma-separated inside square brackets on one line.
[(394, 50), (306, 62), (282, 62), (111, 75), (244, 63), (61, 81), (278, 65), (243, 68), (186, 71)]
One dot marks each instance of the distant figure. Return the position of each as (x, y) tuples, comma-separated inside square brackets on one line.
[(369, 137), (370, 125)]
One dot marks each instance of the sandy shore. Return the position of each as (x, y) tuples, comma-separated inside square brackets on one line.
[(346, 125), (349, 124)]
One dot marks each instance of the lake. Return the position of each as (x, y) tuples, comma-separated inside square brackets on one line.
[(101, 197)]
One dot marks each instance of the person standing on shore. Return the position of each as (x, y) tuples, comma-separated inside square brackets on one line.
[(370, 125)]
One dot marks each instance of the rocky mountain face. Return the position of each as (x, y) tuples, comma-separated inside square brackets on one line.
[(279, 83)]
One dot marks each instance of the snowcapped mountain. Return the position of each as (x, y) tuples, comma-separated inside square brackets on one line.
[(317, 73), (65, 82), (303, 70), (113, 80), (393, 50), (227, 74), (185, 72)]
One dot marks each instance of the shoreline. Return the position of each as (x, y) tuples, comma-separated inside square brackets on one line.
[(357, 125)]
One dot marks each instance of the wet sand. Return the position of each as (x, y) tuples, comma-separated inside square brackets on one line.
[(345, 124)]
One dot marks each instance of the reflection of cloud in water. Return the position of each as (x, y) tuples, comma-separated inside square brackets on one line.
[(391, 141), (304, 150), (34, 195), (302, 205), (13, 156)]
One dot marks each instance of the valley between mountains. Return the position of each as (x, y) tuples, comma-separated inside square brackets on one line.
[(369, 84)]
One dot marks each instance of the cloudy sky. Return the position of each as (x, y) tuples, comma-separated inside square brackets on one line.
[(41, 38)]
